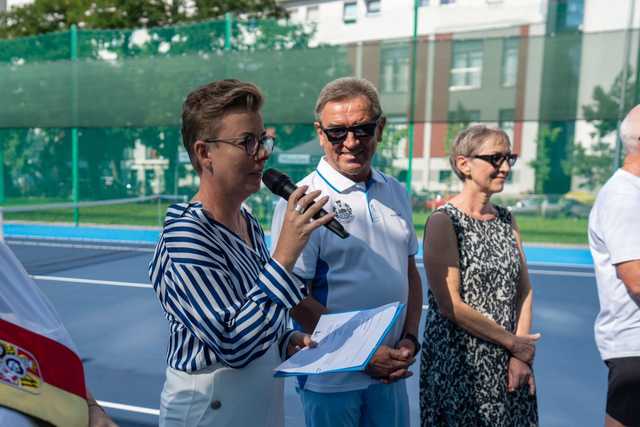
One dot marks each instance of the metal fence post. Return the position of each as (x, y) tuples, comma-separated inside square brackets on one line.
[(74, 130), (228, 19), (412, 94), (2, 191)]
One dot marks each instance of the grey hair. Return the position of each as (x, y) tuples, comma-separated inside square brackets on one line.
[(629, 137), (348, 88), (468, 142)]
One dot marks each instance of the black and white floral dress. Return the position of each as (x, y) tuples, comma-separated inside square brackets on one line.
[(463, 379)]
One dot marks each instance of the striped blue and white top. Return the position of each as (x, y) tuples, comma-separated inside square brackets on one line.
[(226, 302)]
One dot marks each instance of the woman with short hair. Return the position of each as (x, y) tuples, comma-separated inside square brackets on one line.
[(226, 299), (478, 350)]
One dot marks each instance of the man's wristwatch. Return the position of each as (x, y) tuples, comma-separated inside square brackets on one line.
[(414, 340)]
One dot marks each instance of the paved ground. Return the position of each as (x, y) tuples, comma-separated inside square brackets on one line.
[(101, 291)]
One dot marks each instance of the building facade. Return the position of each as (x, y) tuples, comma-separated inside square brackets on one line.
[(525, 65)]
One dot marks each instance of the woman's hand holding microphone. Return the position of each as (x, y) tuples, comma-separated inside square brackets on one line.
[(298, 225)]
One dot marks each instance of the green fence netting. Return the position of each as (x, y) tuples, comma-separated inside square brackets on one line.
[(125, 89)]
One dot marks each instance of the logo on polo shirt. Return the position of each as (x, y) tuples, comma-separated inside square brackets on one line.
[(343, 211), (19, 368)]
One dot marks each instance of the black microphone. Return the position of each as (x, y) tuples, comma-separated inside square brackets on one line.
[(281, 185)]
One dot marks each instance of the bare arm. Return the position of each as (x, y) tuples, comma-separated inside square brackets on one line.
[(629, 273), (97, 416), (519, 373), (525, 293), (308, 312), (414, 303), (443, 273)]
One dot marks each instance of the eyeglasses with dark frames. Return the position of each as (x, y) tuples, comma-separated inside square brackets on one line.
[(251, 143), (497, 159), (338, 134)]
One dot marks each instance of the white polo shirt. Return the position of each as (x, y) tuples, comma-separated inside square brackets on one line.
[(614, 237), (366, 270)]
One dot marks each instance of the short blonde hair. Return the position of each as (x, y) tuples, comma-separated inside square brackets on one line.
[(468, 142)]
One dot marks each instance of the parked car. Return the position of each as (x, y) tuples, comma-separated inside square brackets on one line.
[(545, 205), (575, 209), (551, 206), (437, 201)]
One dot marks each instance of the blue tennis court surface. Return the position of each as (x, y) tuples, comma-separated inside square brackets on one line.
[(102, 292), (543, 255)]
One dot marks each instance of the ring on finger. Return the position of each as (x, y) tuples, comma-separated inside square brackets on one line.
[(299, 208)]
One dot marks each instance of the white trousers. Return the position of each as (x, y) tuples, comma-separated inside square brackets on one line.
[(220, 396)]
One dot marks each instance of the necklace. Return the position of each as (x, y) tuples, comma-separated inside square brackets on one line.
[(239, 225)]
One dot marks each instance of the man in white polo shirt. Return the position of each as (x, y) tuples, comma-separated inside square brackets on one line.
[(372, 267), (614, 239)]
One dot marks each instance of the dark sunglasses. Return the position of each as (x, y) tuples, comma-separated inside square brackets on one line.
[(338, 134), (250, 142), (496, 160)]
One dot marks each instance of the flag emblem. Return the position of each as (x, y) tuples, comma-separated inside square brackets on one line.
[(19, 368), (343, 211)]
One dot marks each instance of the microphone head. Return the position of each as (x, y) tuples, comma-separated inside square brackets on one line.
[(277, 182)]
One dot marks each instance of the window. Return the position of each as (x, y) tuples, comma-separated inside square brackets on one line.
[(444, 175), (511, 178), (312, 14), (565, 15), (373, 6), (150, 153), (466, 70), (573, 14), (447, 1), (509, 73), (394, 69), (424, 3), (506, 122), (463, 117), (293, 13), (350, 12)]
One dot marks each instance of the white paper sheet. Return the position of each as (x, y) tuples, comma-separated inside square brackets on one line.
[(346, 342)]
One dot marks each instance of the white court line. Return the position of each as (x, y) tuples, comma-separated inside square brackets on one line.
[(156, 412), (562, 273), (552, 272), (146, 285), (129, 408), (92, 281), (560, 265), (80, 246), (420, 262)]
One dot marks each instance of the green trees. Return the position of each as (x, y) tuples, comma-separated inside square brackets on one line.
[(547, 138), (45, 16), (595, 165), (129, 83)]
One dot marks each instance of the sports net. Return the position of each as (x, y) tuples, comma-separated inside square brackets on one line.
[(560, 97)]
